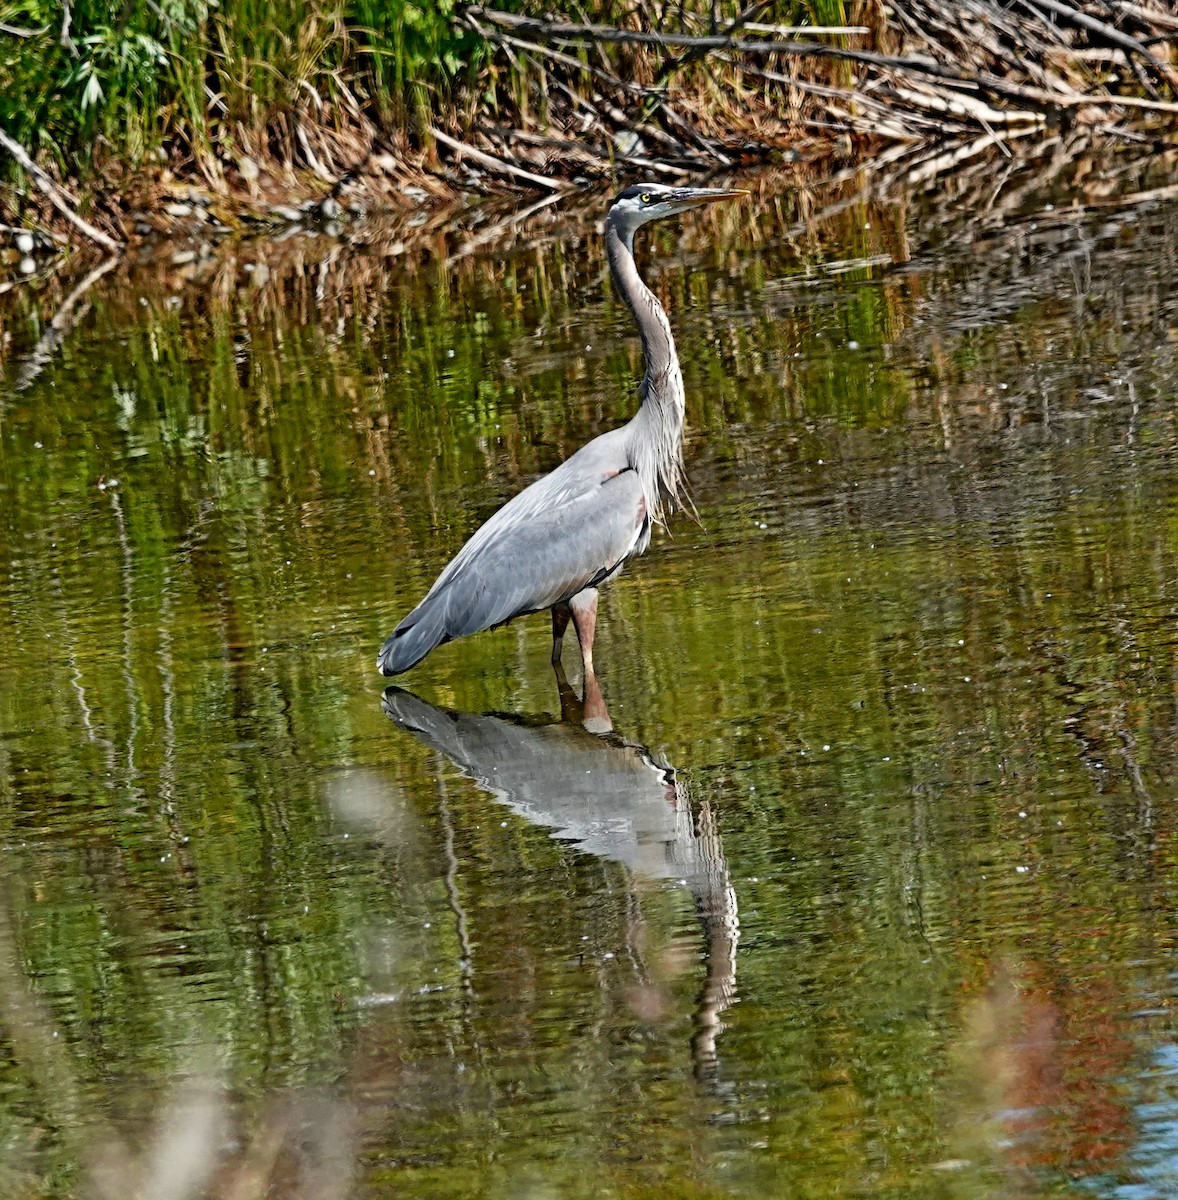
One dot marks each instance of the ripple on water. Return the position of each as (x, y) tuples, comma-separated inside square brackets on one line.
[(913, 674)]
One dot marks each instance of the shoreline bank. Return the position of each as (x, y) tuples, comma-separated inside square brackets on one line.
[(471, 101)]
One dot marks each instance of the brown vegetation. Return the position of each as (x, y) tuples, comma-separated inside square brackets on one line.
[(548, 104)]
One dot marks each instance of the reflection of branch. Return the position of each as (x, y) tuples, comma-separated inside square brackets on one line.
[(62, 323), (182, 1151), (492, 232), (29, 1032), (462, 925), (56, 197)]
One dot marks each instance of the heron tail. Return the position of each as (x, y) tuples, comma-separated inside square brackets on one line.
[(423, 630)]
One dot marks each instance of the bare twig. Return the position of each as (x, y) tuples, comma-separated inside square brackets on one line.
[(1149, 16), (55, 195), (1079, 99), (811, 30), (67, 17), (46, 233), (695, 52), (1109, 33), (588, 34), (970, 73), (497, 164), (17, 31), (961, 105), (567, 60)]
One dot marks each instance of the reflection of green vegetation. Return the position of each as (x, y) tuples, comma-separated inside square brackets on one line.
[(922, 640)]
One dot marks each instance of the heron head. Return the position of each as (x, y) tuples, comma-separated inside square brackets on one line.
[(652, 201)]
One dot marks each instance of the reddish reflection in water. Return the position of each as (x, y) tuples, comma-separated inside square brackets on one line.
[(1043, 1060)]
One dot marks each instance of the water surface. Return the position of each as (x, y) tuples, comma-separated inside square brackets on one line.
[(871, 890)]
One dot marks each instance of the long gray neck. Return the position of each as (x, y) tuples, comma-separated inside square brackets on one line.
[(655, 441)]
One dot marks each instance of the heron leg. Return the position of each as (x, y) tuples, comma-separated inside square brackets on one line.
[(560, 622), (594, 714), (583, 608)]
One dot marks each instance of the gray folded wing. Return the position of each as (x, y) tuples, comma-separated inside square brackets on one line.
[(529, 556)]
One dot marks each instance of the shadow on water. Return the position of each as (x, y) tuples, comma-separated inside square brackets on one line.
[(608, 797)]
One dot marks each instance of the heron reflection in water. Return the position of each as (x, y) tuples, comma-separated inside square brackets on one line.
[(558, 541), (610, 798)]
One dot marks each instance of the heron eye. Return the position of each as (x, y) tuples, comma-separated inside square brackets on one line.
[(645, 197)]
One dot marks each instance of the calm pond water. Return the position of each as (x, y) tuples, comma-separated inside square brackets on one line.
[(873, 890)]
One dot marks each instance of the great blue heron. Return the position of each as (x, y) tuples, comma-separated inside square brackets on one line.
[(553, 545)]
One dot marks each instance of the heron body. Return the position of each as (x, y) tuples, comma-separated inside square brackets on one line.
[(555, 543)]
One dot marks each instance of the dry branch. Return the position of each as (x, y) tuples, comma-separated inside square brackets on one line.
[(497, 164), (810, 30), (1110, 33), (589, 35), (959, 104), (1148, 16), (18, 31), (674, 89), (56, 197), (962, 66)]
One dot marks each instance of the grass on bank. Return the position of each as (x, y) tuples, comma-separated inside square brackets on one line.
[(101, 85), (104, 80), (264, 102)]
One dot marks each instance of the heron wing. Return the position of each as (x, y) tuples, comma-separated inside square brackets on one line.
[(539, 558), (575, 480), (567, 531)]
